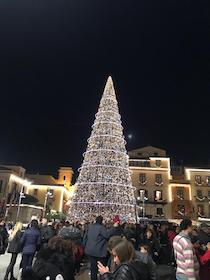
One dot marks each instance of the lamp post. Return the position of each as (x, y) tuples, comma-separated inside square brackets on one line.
[(48, 194), (142, 198), (22, 195)]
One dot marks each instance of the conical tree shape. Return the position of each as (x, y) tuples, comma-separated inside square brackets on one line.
[(104, 184)]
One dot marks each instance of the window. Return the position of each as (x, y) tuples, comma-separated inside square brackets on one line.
[(208, 194), (208, 180), (181, 209), (139, 154), (200, 210), (64, 178), (35, 192), (198, 179), (180, 193), (158, 178), (158, 195), (23, 189), (143, 194), (1, 186), (158, 163), (159, 211), (199, 194), (155, 154), (142, 178)]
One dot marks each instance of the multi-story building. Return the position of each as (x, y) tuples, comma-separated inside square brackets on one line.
[(199, 179), (150, 173), (180, 197), (24, 195), (165, 191), (50, 192)]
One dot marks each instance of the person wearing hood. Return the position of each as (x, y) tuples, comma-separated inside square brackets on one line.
[(128, 267)]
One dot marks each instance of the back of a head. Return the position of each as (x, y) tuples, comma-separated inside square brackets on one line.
[(99, 220), (44, 221), (185, 224), (203, 225), (113, 241), (34, 224), (71, 233), (125, 251)]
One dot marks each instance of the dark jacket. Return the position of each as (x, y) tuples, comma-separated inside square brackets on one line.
[(135, 270), (147, 259), (15, 243), (152, 244), (95, 240), (204, 237), (30, 240), (3, 239), (46, 233), (51, 263)]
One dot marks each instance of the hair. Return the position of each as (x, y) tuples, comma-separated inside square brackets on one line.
[(34, 223), (66, 247), (125, 251), (194, 239), (99, 220), (185, 223), (151, 231), (146, 247), (113, 241), (55, 243), (16, 228)]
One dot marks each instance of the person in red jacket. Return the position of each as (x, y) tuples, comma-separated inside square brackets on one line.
[(205, 264)]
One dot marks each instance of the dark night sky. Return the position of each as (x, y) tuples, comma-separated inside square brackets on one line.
[(55, 57)]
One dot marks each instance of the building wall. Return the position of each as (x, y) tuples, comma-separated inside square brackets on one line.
[(65, 176), (147, 152), (200, 187), (151, 168), (181, 200), (40, 191), (25, 213)]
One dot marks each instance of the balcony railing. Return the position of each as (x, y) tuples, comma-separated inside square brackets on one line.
[(139, 163)]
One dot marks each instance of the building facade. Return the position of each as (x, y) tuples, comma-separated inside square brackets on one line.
[(24, 195), (165, 191), (150, 173), (199, 179)]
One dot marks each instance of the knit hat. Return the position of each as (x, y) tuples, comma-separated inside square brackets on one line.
[(71, 233), (116, 219)]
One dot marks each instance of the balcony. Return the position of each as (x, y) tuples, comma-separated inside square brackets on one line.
[(152, 201), (139, 163)]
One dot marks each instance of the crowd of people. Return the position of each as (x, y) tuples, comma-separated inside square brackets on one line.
[(113, 250)]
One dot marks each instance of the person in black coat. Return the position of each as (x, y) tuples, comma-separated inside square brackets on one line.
[(46, 232), (30, 242), (56, 259), (128, 267), (153, 246), (95, 242), (14, 248), (3, 237)]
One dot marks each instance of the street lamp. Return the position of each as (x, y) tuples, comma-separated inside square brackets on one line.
[(22, 195), (142, 198), (48, 194)]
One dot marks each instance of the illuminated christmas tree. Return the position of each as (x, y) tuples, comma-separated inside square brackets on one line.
[(104, 184)]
